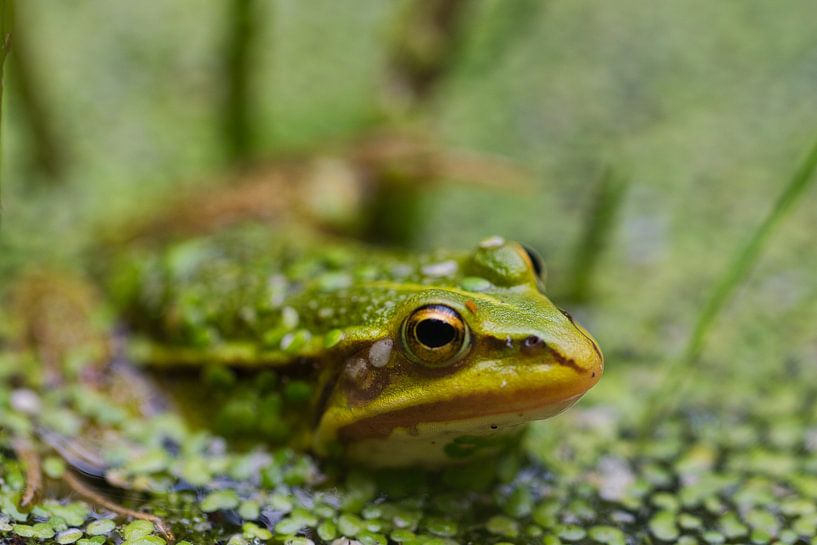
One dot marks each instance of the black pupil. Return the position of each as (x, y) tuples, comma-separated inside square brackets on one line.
[(435, 333)]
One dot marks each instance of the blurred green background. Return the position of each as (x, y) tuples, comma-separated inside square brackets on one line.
[(702, 109)]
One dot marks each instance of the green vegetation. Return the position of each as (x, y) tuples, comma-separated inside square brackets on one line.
[(703, 107)]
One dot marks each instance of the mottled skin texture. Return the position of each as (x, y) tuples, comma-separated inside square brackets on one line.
[(334, 315)]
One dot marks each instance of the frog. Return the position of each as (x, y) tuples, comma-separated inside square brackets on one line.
[(390, 358), (228, 314)]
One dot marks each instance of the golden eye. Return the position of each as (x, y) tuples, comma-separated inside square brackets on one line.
[(435, 336)]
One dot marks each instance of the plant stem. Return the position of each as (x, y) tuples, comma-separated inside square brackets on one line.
[(423, 51), (48, 156), (598, 227), (238, 64), (6, 7)]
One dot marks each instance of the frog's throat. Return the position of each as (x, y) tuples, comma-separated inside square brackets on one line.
[(493, 409)]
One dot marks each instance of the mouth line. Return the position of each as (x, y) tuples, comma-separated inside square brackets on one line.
[(460, 408), (567, 362)]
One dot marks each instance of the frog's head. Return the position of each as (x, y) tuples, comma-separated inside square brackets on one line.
[(454, 365)]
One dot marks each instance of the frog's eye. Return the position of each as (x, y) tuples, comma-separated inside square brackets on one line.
[(536, 261), (435, 336)]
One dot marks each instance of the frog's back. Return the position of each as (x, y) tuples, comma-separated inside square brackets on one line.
[(254, 296)]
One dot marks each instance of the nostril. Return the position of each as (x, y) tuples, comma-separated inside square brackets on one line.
[(532, 344)]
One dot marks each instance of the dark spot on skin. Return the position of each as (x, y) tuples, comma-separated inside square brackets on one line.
[(593, 375), (494, 426)]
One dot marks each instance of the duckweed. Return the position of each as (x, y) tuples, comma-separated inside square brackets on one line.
[(68, 536), (502, 526), (137, 529), (100, 527), (581, 478)]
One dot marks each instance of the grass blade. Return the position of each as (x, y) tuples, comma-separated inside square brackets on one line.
[(666, 397), (599, 227), (5, 44)]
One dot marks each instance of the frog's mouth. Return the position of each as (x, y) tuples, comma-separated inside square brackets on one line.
[(523, 406), (485, 397)]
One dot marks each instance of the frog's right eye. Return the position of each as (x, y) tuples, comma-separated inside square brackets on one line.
[(435, 336)]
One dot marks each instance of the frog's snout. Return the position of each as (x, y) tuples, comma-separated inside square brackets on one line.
[(581, 353), (573, 354)]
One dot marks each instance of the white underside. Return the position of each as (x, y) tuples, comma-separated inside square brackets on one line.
[(425, 443)]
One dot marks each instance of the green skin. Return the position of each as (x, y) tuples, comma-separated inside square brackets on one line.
[(308, 313)]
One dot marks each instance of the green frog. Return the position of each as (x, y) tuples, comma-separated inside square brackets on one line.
[(386, 358)]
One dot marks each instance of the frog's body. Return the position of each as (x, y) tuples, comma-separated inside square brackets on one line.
[(410, 359)]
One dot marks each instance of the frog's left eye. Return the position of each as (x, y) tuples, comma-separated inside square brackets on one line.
[(536, 261), (435, 336)]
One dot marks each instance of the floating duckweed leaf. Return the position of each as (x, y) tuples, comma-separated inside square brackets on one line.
[(253, 531), (663, 526), (299, 541), (367, 537), (608, 535), (441, 527), (220, 500), (8, 506), (502, 526), (327, 530), (40, 531), (53, 467), (763, 520), (145, 540), (249, 510), (714, 538), (152, 461), (237, 539), (731, 526), (689, 522), (349, 525), (137, 529), (519, 504), (96, 540), (402, 536), (68, 536), (572, 533), (100, 527), (196, 471)]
